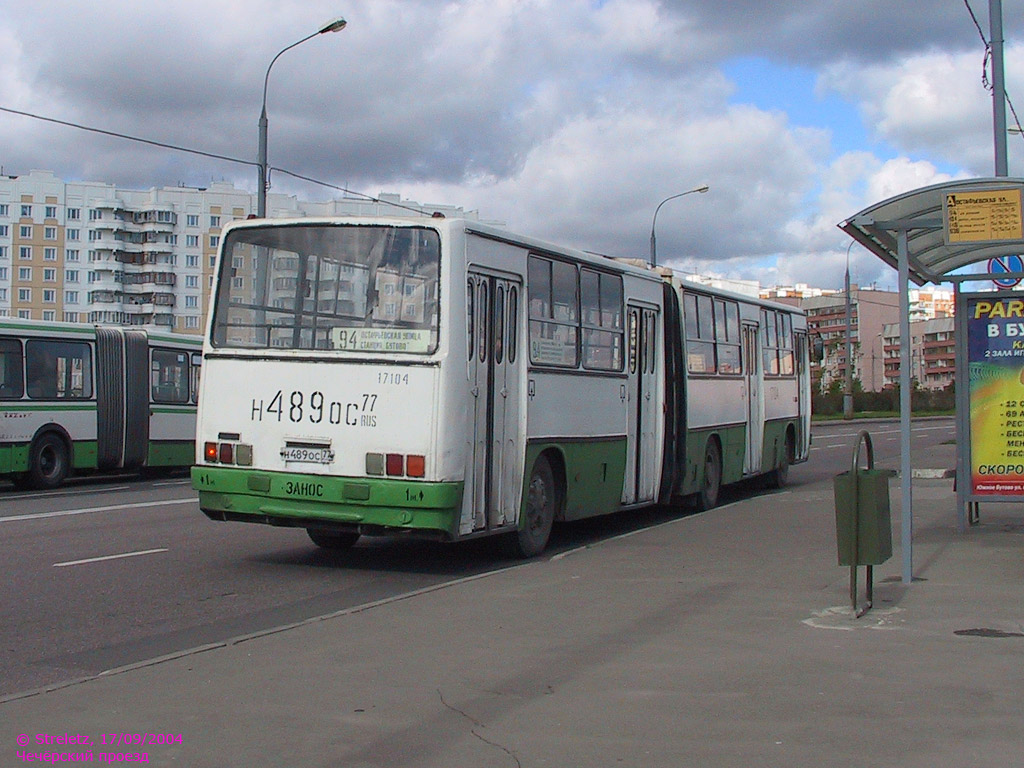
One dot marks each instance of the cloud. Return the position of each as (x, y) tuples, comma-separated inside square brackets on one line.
[(568, 119)]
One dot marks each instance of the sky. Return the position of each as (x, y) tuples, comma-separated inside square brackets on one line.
[(566, 120)]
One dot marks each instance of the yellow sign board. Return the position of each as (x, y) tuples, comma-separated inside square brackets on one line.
[(984, 216)]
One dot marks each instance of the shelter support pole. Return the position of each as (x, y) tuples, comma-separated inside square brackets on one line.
[(963, 404), (906, 474)]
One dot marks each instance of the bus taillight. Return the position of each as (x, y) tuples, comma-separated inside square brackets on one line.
[(396, 464), (210, 451)]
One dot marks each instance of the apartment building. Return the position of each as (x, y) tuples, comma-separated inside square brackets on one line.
[(932, 353), (91, 252), (870, 312)]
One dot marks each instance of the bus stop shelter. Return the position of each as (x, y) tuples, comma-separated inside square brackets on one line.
[(941, 234)]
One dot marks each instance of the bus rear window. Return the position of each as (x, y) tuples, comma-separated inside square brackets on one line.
[(352, 288)]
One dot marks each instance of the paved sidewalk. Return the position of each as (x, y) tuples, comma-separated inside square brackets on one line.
[(721, 639)]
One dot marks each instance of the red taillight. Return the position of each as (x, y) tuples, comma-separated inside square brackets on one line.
[(415, 466), (395, 464), (210, 451)]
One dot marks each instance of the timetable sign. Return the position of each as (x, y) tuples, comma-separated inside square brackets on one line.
[(984, 216)]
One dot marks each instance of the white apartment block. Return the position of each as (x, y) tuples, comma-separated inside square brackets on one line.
[(91, 252)]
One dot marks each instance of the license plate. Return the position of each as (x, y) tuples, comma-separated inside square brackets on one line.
[(307, 455)]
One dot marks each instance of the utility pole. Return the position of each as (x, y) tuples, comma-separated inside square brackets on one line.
[(995, 18)]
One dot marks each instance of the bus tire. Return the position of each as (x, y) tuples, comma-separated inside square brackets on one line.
[(780, 475), (332, 539), (48, 462), (539, 515), (707, 498)]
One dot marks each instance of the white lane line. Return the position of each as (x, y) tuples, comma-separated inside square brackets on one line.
[(111, 508), (109, 557)]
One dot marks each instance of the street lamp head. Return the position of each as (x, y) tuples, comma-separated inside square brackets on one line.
[(335, 25), (702, 189)]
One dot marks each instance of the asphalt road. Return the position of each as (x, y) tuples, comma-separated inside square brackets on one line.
[(106, 573)]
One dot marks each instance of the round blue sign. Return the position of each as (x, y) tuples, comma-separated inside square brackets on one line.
[(1005, 265)]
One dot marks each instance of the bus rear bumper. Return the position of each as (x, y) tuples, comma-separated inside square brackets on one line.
[(368, 506)]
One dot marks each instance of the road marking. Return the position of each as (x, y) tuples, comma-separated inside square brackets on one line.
[(109, 557), (112, 508), (76, 492)]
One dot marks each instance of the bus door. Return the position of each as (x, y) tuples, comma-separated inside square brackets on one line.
[(641, 476), (803, 408), (752, 368), (494, 477)]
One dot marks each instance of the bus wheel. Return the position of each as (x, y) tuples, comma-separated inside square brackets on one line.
[(780, 476), (708, 496), (48, 462), (332, 539), (541, 495)]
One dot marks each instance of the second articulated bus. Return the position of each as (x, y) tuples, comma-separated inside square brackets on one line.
[(449, 379), (77, 397)]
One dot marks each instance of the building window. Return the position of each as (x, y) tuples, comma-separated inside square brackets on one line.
[(71, 255), (72, 234), (4, 230), (95, 215), (74, 214), (24, 295), (191, 281), (214, 221), (70, 275), (191, 302), (192, 220), (49, 233), (4, 253), (51, 212), (25, 274), (191, 260), (49, 296), (25, 231), (50, 275), (26, 211), (5, 209), (70, 317), (49, 315), (24, 314), (214, 241), (49, 254), (70, 297), (25, 252), (191, 322), (191, 241)]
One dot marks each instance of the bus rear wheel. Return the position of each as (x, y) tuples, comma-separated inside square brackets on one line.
[(48, 462), (707, 498), (332, 539), (541, 502), (780, 475)]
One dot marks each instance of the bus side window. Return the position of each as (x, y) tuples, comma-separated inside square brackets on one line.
[(481, 328), (58, 370), (170, 379), (11, 369), (499, 323), (196, 367)]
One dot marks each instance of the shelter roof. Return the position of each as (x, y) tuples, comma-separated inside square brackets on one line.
[(932, 253)]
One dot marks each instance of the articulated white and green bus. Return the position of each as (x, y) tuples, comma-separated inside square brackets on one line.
[(448, 379), (82, 397)]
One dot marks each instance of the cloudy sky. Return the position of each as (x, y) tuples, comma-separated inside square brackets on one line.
[(568, 120)]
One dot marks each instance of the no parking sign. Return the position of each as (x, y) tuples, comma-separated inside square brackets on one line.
[(1006, 265)]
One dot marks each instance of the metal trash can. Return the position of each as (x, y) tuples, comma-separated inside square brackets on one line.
[(863, 521)]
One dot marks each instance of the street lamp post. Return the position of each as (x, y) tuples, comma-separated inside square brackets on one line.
[(335, 25), (654, 251)]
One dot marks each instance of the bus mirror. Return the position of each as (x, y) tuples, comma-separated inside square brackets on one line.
[(817, 349)]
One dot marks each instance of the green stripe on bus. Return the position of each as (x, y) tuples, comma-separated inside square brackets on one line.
[(593, 471), (399, 504)]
